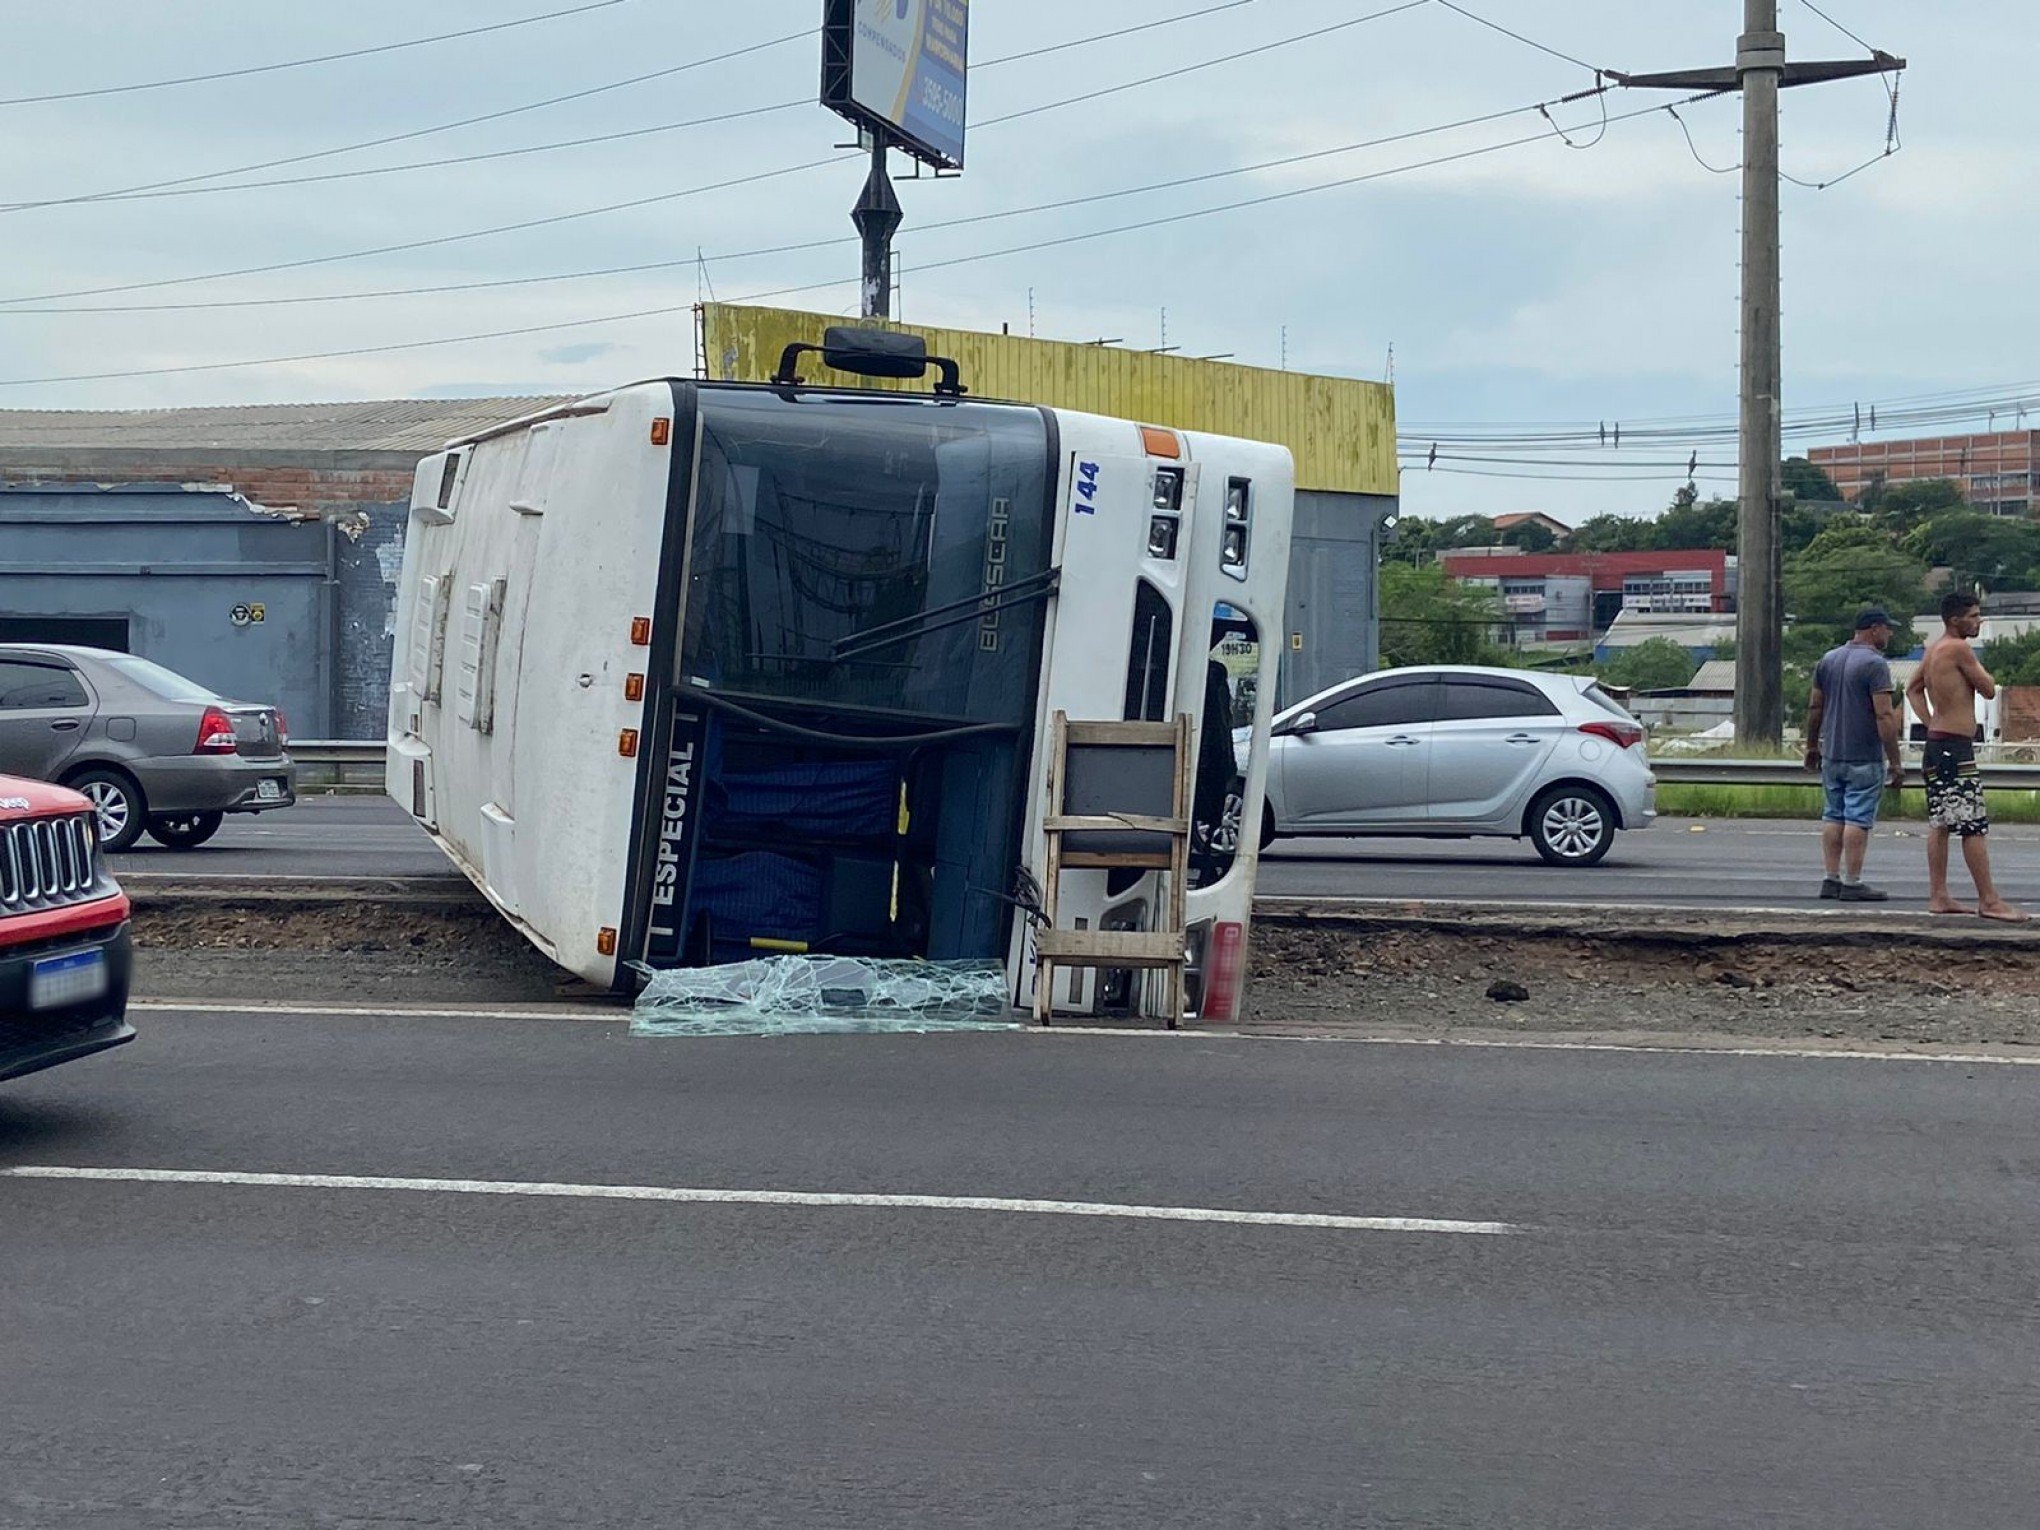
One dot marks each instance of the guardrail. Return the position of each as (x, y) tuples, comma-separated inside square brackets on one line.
[(363, 752), (338, 764), (363, 759), (1704, 772)]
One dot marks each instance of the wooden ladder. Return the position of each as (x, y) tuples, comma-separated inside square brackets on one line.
[(1088, 830)]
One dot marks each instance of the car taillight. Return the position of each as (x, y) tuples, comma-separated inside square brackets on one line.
[(1222, 971), (1620, 734), (216, 733), (282, 727)]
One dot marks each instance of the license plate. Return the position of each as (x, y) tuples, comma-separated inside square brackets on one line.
[(269, 791), (58, 981)]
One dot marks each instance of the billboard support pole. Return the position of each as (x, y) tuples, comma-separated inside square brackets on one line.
[(877, 216)]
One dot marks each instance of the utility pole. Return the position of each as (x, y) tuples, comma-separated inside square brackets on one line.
[(877, 216), (1760, 72)]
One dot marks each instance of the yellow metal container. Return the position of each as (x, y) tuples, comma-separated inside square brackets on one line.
[(1340, 430)]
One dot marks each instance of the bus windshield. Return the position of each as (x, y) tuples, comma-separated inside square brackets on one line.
[(869, 554)]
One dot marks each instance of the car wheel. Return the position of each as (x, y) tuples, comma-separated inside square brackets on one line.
[(1572, 825), (122, 809), (1225, 834), (185, 831), (1267, 825)]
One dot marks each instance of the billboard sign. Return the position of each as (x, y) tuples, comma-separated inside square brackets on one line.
[(898, 67)]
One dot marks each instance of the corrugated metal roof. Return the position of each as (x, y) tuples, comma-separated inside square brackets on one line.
[(415, 425)]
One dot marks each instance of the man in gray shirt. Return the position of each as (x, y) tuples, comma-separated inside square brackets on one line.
[(1852, 726)]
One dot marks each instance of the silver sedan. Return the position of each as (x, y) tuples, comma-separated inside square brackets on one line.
[(1455, 752)]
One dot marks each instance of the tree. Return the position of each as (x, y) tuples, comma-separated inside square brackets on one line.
[(1806, 480), (1531, 537), (1995, 552), (1803, 520), (1902, 506), (1693, 524), (1611, 533), (1428, 618), (1656, 664), (1850, 565), (2014, 660), (1417, 540)]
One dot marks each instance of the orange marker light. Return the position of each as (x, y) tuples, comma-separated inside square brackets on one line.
[(626, 743), (1160, 442), (662, 431), (633, 687), (641, 631), (605, 941)]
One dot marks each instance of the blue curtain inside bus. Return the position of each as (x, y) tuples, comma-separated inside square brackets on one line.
[(852, 584)]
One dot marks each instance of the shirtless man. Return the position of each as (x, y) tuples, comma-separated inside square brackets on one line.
[(1943, 693)]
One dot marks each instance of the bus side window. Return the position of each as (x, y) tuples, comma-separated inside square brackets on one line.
[(1147, 660)]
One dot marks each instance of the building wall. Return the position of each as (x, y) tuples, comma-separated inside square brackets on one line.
[(240, 601), (1340, 430), (1566, 597), (363, 497), (1996, 471), (1333, 616)]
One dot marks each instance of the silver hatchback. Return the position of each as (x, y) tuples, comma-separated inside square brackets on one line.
[(1458, 752), (151, 749)]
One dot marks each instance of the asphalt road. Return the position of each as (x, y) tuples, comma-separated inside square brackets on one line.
[(1739, 1291), (1719, 863)]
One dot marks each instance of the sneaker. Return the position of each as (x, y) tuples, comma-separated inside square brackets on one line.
[(1831, 887), (1862, 892)]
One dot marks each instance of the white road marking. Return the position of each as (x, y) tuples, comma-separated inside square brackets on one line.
[(589, 1014), (615, 1016), (811, 1198)]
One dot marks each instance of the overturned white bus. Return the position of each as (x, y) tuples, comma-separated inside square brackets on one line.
[(689, 671)]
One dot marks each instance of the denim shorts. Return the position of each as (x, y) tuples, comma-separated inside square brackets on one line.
[(1854, 790)]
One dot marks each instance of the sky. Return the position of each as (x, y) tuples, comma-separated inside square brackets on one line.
[(1585, 276)]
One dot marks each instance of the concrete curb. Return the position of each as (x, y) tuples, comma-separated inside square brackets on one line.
[(1660, 927)]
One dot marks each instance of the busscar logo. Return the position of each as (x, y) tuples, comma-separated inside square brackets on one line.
[(995, 573), (673, 824)]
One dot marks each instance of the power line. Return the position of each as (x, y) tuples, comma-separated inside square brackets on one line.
[(1229, 58), (1530, 42), (1698, 158), (149, 189), (126, 193), (1078, 42), (1824, 16), (391, 249), (422, 244), (1283, 162), (668, 309), (300, 63), (477, 158), (714, 120)]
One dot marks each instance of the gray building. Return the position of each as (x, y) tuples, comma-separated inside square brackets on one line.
[(1333, 616), (254, 549)]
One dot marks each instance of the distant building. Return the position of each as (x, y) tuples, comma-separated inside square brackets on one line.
[(253, 548), (1556, 598), (1556, 527), (1994, 471)]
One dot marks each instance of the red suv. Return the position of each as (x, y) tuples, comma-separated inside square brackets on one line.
[(64, 953)]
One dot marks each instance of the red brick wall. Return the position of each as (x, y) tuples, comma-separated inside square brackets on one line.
[(2019, 714)]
